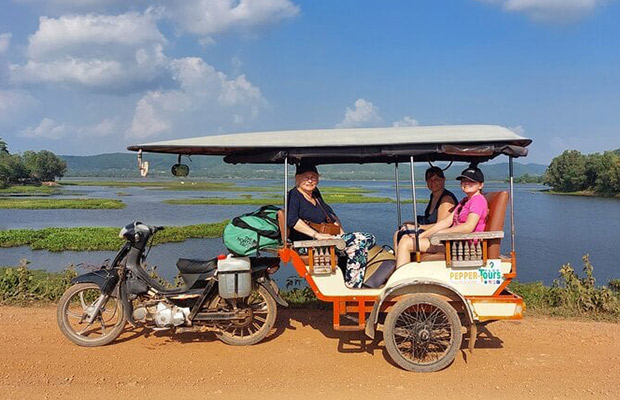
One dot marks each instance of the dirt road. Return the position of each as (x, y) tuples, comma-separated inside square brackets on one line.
[(304, 358)]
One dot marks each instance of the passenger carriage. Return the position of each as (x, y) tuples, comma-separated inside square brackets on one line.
[(426, 305)]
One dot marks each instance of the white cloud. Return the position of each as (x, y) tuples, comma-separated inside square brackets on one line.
[(50, 129), (205, 99), (94, 51), (47, 128), (14, 106), (206, 42), (550, 10), (209, 17), (107, 127), (5, 42), (405, 121), (363, 114)]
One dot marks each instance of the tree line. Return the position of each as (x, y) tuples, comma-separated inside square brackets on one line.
[(30, 167), (575, 172)]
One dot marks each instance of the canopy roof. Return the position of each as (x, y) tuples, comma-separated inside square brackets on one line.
[(368, 145)]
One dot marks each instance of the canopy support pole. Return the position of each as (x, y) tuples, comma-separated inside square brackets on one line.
[(397, 194), (285, 202), (415, 212), (512, 207)]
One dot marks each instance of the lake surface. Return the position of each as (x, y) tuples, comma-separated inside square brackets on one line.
[(550, 230)]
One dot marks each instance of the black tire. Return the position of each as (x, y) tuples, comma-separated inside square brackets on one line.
[(257, 327), (422, 333), (73, 309)]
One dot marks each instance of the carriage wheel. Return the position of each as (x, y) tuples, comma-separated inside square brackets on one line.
[(422, 333)]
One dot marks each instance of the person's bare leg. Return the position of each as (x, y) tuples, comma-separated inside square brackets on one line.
[(407, 246), (403, 250)]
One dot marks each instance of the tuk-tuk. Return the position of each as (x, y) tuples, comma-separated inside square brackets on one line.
[(426, 305)]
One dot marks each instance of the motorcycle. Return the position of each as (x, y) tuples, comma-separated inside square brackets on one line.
[(233, 296)]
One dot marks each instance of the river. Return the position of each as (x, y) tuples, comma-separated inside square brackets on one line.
[(551, 230)]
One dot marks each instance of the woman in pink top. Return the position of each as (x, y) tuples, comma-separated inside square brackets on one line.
[(468, 216)]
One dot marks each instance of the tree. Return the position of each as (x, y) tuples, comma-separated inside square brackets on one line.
[(593, 167), (566, 173), (44, 165), (3, 147), (608, 177), (12, 169)]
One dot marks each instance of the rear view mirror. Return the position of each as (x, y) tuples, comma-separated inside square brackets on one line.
[(180, 170)]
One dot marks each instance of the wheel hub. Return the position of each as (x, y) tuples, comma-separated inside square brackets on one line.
[(248, 317), (424, 334)]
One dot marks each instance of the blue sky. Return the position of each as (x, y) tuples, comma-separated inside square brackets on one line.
[(93, 76)]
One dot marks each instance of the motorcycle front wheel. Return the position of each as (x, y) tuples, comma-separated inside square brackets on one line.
[(75, 309), (263, 310)]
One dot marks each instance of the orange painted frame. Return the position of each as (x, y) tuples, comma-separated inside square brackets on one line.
[(364, 303)]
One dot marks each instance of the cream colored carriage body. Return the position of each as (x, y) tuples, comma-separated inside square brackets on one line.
[(482, 288)]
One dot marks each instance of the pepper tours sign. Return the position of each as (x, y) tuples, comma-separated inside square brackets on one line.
[(489, 275)]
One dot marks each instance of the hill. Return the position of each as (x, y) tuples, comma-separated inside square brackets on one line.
[(125, 165)]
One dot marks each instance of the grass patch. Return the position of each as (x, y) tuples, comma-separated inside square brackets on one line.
[(583, 193), (572, 296), (47, 204), (174, 185), (29, 190), (211, 186), (99, 238), (258, 201)]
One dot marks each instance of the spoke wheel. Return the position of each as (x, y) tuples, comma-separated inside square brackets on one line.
[(262, 310), (422, 333), (76, 307)]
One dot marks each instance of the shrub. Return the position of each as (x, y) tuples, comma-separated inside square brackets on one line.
[(22, 286), (571, 295)]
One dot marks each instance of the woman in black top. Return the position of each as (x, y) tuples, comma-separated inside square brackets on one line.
[(441, 203), (305, 203)]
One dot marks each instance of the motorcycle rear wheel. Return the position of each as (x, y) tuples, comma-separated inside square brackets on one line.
[(263, 317), (74, 309)]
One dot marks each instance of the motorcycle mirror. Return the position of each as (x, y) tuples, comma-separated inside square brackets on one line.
[(180, 170)]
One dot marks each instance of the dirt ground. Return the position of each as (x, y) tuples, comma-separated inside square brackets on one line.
[(304, 358)]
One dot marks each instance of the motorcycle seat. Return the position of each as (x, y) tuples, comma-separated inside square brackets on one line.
[(188, 266)]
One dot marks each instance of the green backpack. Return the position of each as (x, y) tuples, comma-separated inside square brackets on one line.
[(246, 234)]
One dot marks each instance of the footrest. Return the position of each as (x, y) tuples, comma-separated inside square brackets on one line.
[(348, 328)]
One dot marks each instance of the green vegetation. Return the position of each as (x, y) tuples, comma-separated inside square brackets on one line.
[(46, 204), (572, 296), (329, 199), (527, 178), (210, 186), (331, 195), (99, 238), (591, 174), (29, 190), (30, 167), (175, 185), (23, 286)]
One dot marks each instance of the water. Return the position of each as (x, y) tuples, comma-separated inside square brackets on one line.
[(550, 230)]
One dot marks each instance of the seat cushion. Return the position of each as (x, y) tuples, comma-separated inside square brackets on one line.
[(188, 266)]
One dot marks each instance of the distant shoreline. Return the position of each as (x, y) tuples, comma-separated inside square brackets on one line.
[(583, 193)]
